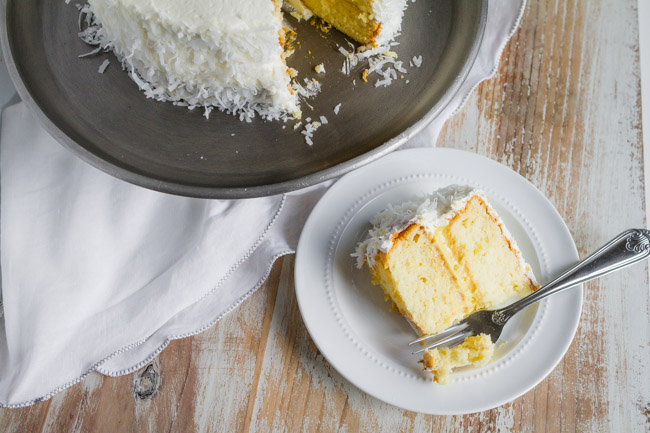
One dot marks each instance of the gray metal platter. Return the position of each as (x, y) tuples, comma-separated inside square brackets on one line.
[(105, 120)]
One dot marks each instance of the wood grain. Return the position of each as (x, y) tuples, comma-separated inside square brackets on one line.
[(564, 110)]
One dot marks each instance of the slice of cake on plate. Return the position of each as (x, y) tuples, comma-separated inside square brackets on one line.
[(439, 260)]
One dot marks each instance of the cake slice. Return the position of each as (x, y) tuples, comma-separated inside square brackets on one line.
[(370, 22), (439, 260), (202, 53)]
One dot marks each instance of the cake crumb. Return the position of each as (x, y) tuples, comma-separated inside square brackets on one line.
[(324, 26), (292, 72), (290, 37), (364, 75), (321, 25), (296, 15), (320, 69)]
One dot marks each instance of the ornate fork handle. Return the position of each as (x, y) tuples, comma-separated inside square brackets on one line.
[(627, 248)]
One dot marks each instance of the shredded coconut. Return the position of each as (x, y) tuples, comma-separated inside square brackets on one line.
[(310, 88), (136, 58), (430, 211), (103, 66), (309, 130), (381, 60)]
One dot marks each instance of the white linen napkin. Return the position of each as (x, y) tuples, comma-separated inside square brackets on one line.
[(99, 275)]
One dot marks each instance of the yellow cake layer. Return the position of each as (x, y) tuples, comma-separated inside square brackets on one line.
[(476, 351), (355, 18), (422, 283), (488, 257)]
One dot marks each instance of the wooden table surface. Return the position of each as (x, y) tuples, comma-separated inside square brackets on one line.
[(564, 110)]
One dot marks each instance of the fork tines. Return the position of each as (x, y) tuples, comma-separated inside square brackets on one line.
[(451, 336)]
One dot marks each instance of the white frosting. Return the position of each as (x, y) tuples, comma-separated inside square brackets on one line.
[(222, 53), (435, 210), (389, 13)]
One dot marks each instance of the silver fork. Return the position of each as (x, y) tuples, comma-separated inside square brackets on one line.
[(627, 248)]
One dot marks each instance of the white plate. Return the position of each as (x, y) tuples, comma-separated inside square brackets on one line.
[(350, 321)]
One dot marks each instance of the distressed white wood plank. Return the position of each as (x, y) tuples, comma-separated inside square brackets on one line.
[(644, 63)]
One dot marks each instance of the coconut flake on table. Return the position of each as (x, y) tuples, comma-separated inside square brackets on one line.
[(337, 108)]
